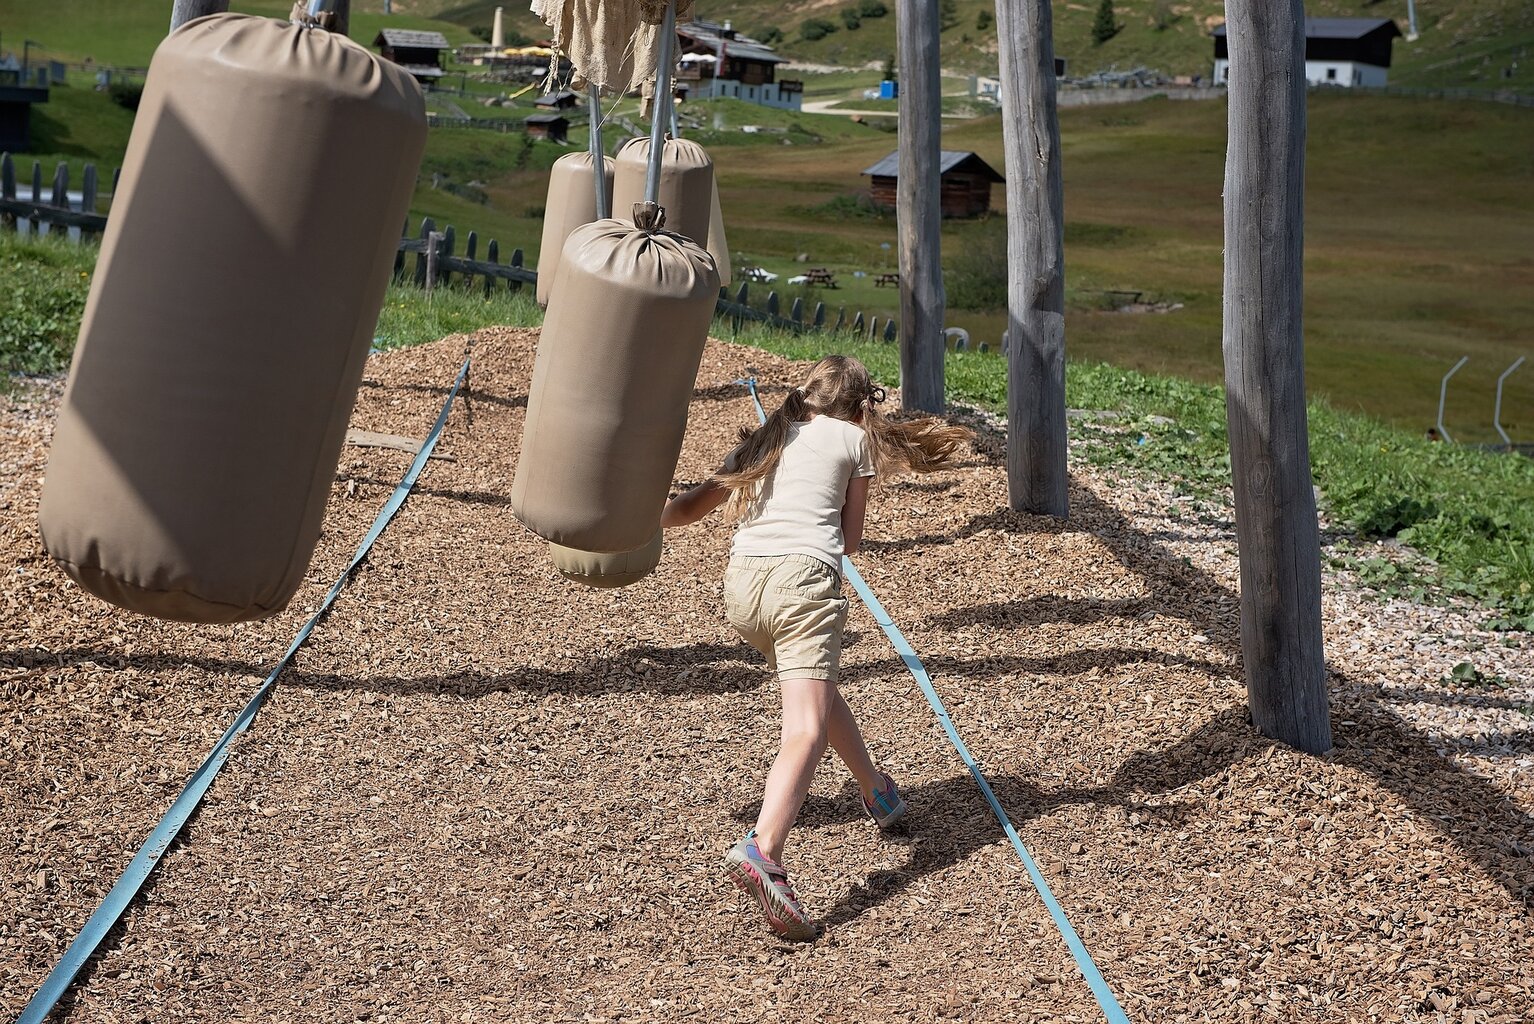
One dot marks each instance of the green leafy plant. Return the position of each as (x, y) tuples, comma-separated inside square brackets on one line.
[(812, 29), (851, 19), (1105, 26)]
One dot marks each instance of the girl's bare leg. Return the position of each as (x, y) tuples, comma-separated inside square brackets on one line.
[(814, 714), (806, 713), (847, 740)]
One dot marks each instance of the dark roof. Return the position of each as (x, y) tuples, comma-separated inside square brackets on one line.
[(950, 160), (706, 35), (544, 119), (411, 39), (1338, 28), (555, 98)]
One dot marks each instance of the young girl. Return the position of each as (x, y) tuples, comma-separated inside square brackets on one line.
[(799, 486)]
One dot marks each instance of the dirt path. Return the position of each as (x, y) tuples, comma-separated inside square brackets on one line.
[(484, 794)]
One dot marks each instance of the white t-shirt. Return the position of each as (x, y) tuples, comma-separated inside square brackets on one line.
[(800, 510)]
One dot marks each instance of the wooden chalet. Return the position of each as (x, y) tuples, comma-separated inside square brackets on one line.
[(967, 182), (552, 127), (16, 99), (564, 100), (1342, 52), (419, 53)]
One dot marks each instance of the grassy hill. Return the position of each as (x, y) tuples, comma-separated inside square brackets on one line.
[(1464, 43)]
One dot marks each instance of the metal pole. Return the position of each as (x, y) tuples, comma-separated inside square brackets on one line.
[(1496, 417), (658, 111), (186, 10), (1443, 395), (1411, 20), (598, 160)]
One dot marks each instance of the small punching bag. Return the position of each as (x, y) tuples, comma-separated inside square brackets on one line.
[(612, 380), (606, 569), (687, 193), (239, 282), (571, 202)]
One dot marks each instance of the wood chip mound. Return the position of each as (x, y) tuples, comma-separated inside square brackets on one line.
[(486, 794)]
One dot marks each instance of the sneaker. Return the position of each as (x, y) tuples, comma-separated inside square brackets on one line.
[(887, 806), (764, 878)]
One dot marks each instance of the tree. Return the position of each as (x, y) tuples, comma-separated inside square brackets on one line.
[(1264, 347), (851, 19), (947, 14), (872, 8), (482, 32), (1105, 26), (889, 72), (983, 20)]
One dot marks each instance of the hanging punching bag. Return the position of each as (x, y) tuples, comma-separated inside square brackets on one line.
[(612, 380), (239, 282), (687, 193), (571, 202), (606, 569)]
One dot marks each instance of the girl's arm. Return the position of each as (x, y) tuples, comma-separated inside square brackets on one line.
[(690, 506), (853, 512)]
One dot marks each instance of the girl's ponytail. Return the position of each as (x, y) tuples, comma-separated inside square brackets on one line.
[(921, 446), (754, 460)]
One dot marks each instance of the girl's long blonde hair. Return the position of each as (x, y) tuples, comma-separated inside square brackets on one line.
[(839, 386)]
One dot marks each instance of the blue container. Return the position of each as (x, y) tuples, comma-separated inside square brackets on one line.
[(889, 90)]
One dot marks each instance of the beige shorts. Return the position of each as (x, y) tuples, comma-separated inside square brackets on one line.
[(789, 607)]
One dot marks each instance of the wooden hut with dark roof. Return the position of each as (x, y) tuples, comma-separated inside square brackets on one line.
[(419, 53), (967, 182)]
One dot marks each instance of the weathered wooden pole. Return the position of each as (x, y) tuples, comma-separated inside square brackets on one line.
[(1265, 374), (1036, 473), (184, 11), (918, 207)]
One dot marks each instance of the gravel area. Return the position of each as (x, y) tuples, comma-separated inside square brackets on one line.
[(485, 794)]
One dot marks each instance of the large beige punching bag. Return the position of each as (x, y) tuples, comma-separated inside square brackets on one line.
[(612, 380), (571, 202), (687, 193), (236, 293)]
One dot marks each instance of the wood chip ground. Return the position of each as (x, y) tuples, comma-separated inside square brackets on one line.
[(485, 794)]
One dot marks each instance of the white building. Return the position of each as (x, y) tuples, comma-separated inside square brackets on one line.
[(718, 61), (1345, 52)]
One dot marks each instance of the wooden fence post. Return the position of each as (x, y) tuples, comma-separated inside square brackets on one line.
[(399, 254), (493, 254), (796, 311), (183, 11), (88, 190), (919, 213), (820, 315), (470, 248), (1036, 449), (7, 188), (514, 285), (427, 227), (1276, 528), (449, 236), (433, 254), (772, 303)]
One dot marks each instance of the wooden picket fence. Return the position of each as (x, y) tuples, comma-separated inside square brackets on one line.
[(437, 262), (53, 211)]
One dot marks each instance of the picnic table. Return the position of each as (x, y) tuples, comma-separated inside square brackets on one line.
[(884, 279), (820, 276)]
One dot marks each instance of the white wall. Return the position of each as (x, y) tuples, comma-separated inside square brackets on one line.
[(762, 95), (1324, 72)]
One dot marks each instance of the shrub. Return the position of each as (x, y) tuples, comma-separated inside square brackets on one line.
[(947, 14), (850, 18), (126, 94), (1105, 26), (816, 28), (480, 32), (872, 8), (771, 34), (983, 20)]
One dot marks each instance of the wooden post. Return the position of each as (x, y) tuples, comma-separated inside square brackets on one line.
[(88, 191), (918, 209), (493, 254), (59, 199), (449, 237), (1276, 527), (514, 285), (428, 226), (1036, 471), (7, 188), (433, 247), (796, 311), (183, 11)]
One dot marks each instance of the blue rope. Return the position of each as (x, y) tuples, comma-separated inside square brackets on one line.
[(1094, 978), (148, 856)]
